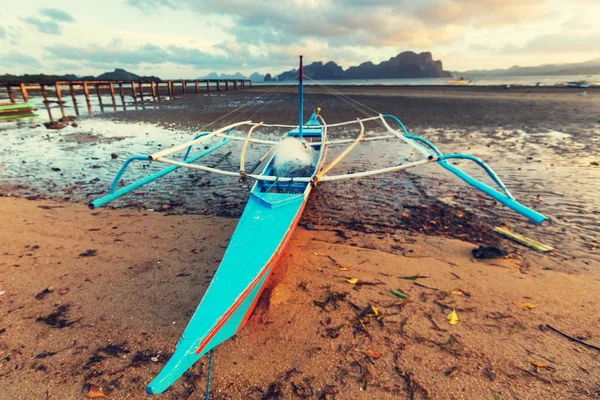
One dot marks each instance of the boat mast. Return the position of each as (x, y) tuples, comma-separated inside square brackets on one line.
[(300, 97)]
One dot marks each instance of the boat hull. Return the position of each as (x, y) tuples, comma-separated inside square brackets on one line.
[(207, 328), (257, 244)]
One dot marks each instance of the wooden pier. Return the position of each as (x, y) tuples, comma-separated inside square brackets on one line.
[(140, 91)]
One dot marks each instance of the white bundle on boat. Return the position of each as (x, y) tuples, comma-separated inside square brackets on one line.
[(294, 158)]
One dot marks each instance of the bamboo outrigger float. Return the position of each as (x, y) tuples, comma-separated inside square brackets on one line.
[(271, 215)]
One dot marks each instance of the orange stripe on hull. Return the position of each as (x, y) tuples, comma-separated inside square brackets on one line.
[(283, 246), (272, 262)]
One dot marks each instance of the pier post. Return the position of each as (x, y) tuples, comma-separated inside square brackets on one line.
[(133, 93), (99, 96), (250, 84), (58, 93), (122, 94), (207, 86), (59, 97), (112, 95), (86, 91), (11, 96), (49, 112), (75, 107), (44, 93), (197, 89), (153, 91), (235, 85), (226, 85), (218, 86), (72, 91), (170, 89), (141, 87), (184, 86), (24, 92), (157, 86)]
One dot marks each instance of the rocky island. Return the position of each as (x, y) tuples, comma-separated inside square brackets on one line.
[(407, 64)]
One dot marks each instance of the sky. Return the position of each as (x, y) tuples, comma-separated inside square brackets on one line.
[(190, 38)]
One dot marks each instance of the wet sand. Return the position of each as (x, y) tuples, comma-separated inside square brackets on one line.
[(541, 141), (310, 336), (134, 278), (452, 107)]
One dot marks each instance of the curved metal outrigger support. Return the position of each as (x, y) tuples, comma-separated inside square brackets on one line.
[(505, 198), (483, 165), (115, 194)]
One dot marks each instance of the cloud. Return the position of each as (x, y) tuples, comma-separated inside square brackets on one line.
[(225, 56), (19, 60), (51, 22), (67, 66), (375, 23), (57, 15), (48, 26), (486, 13), (151, 5), (557, 43), (510, 48), (2, 32), (580, 22), (478, 47), (114, 55)]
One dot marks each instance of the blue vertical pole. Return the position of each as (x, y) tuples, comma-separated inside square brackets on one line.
[(300, 97)]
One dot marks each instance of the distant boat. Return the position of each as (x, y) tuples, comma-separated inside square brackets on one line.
[(9, 111), (579, 84), (459, 81), (4, 107)]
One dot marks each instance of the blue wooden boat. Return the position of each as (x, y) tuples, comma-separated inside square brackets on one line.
[(262, 234), (270, 217), (579, 84)]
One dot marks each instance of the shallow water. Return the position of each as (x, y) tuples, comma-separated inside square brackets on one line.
[(548, 170), (541, 80)]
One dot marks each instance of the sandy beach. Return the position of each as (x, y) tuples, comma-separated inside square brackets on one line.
[(124, 281), (132, 280)]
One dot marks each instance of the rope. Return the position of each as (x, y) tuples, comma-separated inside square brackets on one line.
[(340, 94), (275, 94), (347, 98), (270, 97), (210, 362), (242, 106)]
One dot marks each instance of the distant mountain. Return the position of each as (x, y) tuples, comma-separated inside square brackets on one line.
[(214, 75), (120, 74), (117, 75), (256, 77), (269, 78), (591, 67), (405, 65)]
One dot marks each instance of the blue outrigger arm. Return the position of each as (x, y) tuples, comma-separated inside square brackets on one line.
[(505, 197), (114, 194)]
